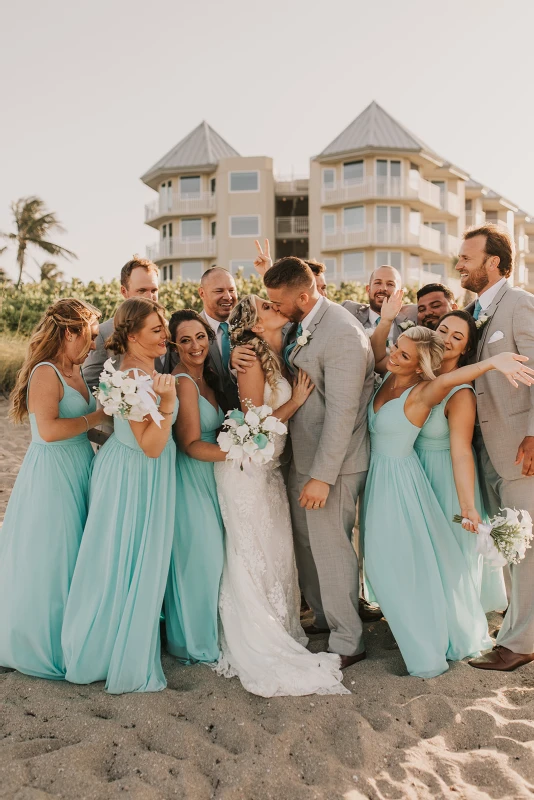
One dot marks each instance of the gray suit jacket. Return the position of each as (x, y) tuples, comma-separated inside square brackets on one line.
[(361, 312), (228, 384), (329, 432), (505, 414)]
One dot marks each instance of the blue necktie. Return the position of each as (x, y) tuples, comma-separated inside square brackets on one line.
[(291, 346), (225, 344), (477, 309), (377, 320)]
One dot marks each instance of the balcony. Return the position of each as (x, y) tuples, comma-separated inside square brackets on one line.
[(292, 227), (473, 218), (287, 187), (384, 189), (204, 247), (395, 235), (180, 205)]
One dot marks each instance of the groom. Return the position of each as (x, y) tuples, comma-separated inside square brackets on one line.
[(330, 449)]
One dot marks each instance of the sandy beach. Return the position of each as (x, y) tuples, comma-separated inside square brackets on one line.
[(465, 734)]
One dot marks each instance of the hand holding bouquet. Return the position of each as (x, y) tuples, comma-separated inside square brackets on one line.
[(129, 398), (507, 537), (249, 438)]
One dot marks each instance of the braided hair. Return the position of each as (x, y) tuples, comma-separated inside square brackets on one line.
[(130, 318), (243, 318)]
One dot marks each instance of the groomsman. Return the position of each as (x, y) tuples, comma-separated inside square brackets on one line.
[(505, 433), (139, 278), (433, 301), (218, 293), (383, 282)]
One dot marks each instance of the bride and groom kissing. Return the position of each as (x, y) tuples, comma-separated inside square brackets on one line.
[(327, 354)]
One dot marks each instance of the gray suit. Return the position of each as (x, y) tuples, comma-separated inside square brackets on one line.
[(505, 417), (361, 312), (331, 443), (228, 384)]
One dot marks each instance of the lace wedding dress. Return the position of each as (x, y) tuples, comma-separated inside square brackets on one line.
[(261, 639)]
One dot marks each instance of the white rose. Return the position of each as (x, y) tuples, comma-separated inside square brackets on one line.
[(129, 386), (301, 340), (132, 399), (115, 395)]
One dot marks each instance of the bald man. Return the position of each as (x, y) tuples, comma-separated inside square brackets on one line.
[(383, 282), (218, 293)]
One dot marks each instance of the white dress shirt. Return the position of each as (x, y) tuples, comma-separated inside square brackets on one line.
[(215, 325), (487, 297), (373, 317), (309, 317)]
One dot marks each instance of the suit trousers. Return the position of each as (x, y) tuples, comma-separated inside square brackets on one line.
[(517, 631), (326, 560)]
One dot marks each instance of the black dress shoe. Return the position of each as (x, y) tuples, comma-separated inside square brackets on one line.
[(348, 661), (367, 612), (313, 630)]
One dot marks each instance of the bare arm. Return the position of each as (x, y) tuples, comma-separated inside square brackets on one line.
[(252, 385), (150, 437), (187, 426), (389, 311), (461, 411), (46, 390), (94, 363)]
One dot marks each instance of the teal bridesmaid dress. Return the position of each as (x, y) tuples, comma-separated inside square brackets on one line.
[(111, 627), (433, 447), (39, 543), (192, 596), (412, 565)]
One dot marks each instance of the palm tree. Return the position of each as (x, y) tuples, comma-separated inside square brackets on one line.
[(50, 272), (33, 224)]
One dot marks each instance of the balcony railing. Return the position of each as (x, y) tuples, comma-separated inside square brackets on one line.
[(292, 227), (200, 203), (451, 204), (397, 235), (182, 248), (473, 218), (375, 187), (291, 186)]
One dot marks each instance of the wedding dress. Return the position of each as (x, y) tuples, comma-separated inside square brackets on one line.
[(261, 639)]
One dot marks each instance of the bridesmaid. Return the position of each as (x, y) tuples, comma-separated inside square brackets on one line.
[(445, 450), (111, 628), (192, 595), (47, 510), (417, 574)]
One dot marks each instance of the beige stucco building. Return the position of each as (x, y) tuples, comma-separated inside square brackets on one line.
[(376, 194)]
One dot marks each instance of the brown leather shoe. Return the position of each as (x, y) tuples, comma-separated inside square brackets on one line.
[(501, 659), (348, 661), (367, 612), (313, 630)]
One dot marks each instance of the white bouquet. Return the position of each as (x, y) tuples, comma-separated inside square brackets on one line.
[(506, 539), (249, 438), (129, 398)]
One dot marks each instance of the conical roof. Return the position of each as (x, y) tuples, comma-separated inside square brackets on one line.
[(375, 128), (203, 148)]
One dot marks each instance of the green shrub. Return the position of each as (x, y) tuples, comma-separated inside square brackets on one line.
[(12, 353)]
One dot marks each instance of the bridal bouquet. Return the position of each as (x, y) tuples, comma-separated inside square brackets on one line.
[(249, 438), (506, 538), (129, 398)]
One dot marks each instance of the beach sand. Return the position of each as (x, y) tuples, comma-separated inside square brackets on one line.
[(465, 734)]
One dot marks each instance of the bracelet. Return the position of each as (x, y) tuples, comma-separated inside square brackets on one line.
[(166, 413), (86, 422)]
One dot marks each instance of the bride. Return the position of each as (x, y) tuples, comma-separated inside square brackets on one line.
[(262, 641)]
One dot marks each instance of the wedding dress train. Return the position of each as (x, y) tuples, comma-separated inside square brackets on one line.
[(261, 639)]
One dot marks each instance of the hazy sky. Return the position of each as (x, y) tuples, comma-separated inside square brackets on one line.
[(93, 93)]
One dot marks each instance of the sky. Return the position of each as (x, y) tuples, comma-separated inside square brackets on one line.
[(95, 92)]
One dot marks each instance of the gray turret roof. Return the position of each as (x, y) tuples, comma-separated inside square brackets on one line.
[(200, 149)]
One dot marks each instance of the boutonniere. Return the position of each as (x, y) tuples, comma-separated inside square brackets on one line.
[(481, 321), (303, 338), (406, 324)]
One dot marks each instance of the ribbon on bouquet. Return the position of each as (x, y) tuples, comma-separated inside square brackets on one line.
[(486, 546), (147, 396)]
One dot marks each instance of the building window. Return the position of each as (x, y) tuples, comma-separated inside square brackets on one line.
[(246, 265), (353, 172), (245, 226), (213, 184), (388, 224), (190, 186), (468, 205), (354, 218), (329, 178), (213, 228), (388, 258), (244, 181), (436, 269), (353, 266), (170, 272), (330, 264), (191, 229), (329, 224), (164, 231), (191, 270), (165, 273), (388, 177)]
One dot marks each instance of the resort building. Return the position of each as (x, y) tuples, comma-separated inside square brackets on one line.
[(376, 195)]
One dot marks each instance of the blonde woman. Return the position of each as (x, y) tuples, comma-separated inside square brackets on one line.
[(262, 641), (411, 562), (47, 509), (111, 627)]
